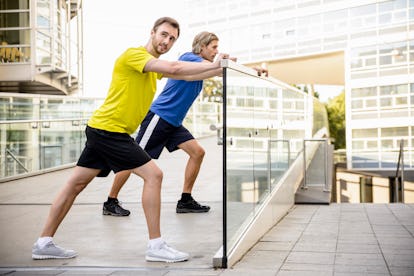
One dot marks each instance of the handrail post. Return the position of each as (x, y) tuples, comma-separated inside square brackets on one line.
[(397, 182), (327, 189), (304, 185), (396, 185), (269, 165), (402, 170)]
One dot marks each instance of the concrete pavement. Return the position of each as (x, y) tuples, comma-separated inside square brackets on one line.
[(336, 239)]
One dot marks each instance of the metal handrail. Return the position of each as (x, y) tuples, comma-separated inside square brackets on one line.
[(400, 161), (325, 170), (17, 160), (8, 122)]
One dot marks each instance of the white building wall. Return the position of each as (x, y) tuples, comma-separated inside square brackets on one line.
[(258, 31)]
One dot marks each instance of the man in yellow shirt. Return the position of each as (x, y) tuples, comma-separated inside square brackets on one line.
[(109, 145)]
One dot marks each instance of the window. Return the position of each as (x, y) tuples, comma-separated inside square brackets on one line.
[(394, 131), (364, 133), (15, 31), (364, 92), (394, 89)]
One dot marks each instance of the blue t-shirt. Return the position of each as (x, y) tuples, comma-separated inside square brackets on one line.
[(177, 96)]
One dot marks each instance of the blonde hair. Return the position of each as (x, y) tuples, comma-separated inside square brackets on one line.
[(202, 39)]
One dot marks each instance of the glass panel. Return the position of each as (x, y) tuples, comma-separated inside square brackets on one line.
[(320, 116), (241, 192), (17, 108), (35, 145), (315, 163), (394, 89), (357, 104), (384, 19), (364, 133), (387, 143), (357, 145), (60, 143), (401, 100), (14, 4), (15, 37), (265, 128), (279, 159), (15, 19), (385, 102), (261, 136), (43, 13), (43, 41), (385, 60), (394, 131), (372, 145), (371, 103), (362, 10)]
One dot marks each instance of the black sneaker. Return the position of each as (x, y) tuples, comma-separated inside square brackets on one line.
[(191, 206), (114, 208)]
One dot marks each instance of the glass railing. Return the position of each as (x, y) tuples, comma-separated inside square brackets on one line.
[(40, 132), (44, 132), (29, 146), (264, 125), (201, 116)]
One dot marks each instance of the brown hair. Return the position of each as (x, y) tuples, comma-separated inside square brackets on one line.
[(202, 39), (168, 20)]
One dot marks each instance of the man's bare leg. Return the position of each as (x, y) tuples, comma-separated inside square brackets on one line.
[(112, 206), (119, 181), (151, 196), (44, 248), (62, 203), (196, 153), (158, 250)]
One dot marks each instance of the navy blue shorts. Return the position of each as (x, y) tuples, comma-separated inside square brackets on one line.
[(108, 151), (155, 134)]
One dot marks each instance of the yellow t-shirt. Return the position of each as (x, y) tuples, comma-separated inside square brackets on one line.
[(130, 94)]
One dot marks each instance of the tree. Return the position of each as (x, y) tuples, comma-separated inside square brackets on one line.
[(212, 90), (336, 117)]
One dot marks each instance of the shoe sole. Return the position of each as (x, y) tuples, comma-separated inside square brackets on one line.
[(44, 257), (107, 213), (181, 211), (155, 259)]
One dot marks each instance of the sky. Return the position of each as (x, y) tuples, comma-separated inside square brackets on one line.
[(110, 27)]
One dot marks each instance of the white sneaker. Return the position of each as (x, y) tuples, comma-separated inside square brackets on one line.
[(165, 253), (51, 251)]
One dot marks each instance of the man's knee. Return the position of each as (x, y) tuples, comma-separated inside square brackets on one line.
[(199, 153), (157, 175)]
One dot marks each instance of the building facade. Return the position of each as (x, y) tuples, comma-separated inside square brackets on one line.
[(40, 65), (366, 45), (41, 46)]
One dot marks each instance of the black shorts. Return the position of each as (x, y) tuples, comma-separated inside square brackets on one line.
[(108, 151), (155, 134)]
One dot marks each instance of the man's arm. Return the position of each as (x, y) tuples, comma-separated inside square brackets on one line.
[(185, 70)]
